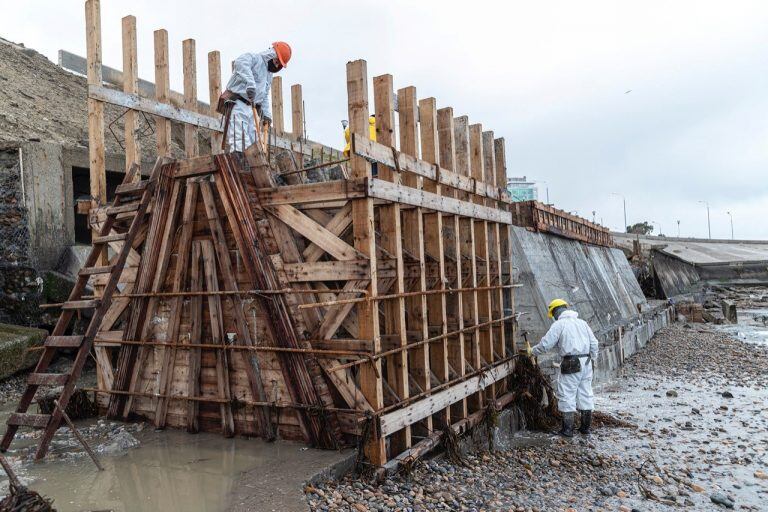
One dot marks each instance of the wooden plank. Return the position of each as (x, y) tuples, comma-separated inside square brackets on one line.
[(340, 222), (433, 246), (392, 241), (462, 165), (29, 420), (318, 234), (278, 123), (195, 338), (454, 303), (97, 169), (214, 91), (162, 92), (384, 154), (297, 112), (191, 144), (407, 195), (309, 193), (131, 86), (477, 166), (413, 242), (410, 414), (327, 271), (365, 243), (508, 296), (217, 337), (168, 354), (494, 255)]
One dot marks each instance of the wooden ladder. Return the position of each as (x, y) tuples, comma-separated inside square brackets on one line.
[(131, 201)]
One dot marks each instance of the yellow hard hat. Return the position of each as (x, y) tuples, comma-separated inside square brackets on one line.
[(555, 304)]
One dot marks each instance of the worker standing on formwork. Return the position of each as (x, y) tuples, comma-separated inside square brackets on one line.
[(577, 345), (248, 93)]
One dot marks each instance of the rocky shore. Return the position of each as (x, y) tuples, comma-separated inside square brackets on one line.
[(698, 398)]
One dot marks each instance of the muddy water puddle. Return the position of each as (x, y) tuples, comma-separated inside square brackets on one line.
[(168, 471)]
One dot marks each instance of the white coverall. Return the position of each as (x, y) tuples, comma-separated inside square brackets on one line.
[(572, 336), (250, 79)]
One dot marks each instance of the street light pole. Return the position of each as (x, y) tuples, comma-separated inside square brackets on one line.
[(624, 202), (709, 226), (731, 216), (678, 229)]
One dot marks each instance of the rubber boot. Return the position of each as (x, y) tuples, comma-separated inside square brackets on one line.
[(586, 422), (567, 430)]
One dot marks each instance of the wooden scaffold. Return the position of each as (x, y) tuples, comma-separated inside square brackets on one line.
[(232, 293)]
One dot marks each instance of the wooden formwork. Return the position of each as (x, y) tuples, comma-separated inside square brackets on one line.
[(257, 302)]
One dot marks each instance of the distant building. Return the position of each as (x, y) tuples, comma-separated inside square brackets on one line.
[(520, 189)]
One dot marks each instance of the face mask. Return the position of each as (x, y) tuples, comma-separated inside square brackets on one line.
[(272, 67)]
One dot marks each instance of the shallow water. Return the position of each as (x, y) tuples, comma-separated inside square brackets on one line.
[(752, 326)]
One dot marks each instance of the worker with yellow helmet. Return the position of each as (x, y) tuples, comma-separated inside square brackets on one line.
[(577, 345)]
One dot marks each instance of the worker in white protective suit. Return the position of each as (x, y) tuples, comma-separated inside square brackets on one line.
[(577, 345), (249, 90)]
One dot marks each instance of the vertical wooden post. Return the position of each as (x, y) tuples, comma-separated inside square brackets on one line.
[(365, 242), (191, 147), (413, 242), (98, 174), (214, 91), (508, 296), (469, 275), (297, 112), (433, 246), (455, 302), (278, 121), (392, 242), (162, 92), (477, 164), (131, 85), (494, 255)]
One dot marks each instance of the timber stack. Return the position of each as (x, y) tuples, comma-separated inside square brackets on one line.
[(234, 295)]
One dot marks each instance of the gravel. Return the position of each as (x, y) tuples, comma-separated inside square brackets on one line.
[(693, 448)]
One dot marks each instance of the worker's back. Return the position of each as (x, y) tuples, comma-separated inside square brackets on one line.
[(575, 334)]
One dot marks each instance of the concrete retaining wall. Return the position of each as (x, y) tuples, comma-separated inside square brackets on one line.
[(596, 281)]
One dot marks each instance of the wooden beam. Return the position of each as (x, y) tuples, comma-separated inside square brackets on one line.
[(327, 271), (384, 154), (391, 241), (433, 246), (508, 298), (469, 275), (410, 414), (131, 86), (477, 165), (162, 92), (191, 145), (297, 112), (407, 195), (313, 231), (365, 243), (214, 91), (413, 242), (98, 174), (308, 193), (455, 302), (278, 123)]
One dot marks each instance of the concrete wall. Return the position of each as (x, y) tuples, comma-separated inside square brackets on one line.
[(596, 281)]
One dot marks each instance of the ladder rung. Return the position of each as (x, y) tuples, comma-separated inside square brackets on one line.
[(117, 237), (63, 341), (125, 208), (47, 379), (81, 304), (131, 188), (89, 271), (24, 419)]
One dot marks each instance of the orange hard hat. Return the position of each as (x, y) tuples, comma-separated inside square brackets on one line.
[(283, 51)]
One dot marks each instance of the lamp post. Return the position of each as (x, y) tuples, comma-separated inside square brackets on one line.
[(678, 228), (624, 201), (709, 227), (731, 216), (653, 222)]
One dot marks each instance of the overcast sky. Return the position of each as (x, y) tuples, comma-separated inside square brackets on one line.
[(665, 103)]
